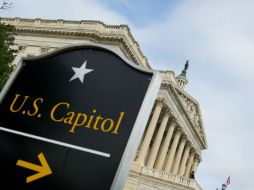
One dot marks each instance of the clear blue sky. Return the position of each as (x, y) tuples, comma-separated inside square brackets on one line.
[(217, 36)]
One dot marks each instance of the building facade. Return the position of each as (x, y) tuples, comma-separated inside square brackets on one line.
[(174, 137)]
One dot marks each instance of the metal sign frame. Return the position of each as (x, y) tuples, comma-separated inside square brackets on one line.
[(141, 120)]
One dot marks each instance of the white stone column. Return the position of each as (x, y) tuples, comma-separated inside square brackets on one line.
[(184, 160), (179, 155), (164, 148), (172, 151), (189, 164), (195, 164), (149, 133), (157, 140)]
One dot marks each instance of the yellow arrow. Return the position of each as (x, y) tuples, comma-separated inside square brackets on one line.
[(42, 170)]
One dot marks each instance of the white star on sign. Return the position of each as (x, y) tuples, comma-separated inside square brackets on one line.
[(80, 72)]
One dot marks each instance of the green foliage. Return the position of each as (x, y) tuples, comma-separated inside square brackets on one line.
[(7, 54)]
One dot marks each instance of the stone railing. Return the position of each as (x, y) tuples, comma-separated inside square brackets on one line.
[(166, 176), (196, 185), (168, 77)]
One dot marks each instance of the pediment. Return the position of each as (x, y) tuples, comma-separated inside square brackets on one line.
[(192, 110)]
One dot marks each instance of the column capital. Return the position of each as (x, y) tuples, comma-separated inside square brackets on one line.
[(173, 120), (172, 124), (178, 131), (188, 145), (192, 151), (183, 138), (166, 111), (160, 101), (197, 158)]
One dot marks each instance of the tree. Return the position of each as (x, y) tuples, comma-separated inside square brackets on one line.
[(5, 5), (7, 53)]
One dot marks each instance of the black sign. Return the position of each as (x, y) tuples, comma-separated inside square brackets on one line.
[(66, 119)]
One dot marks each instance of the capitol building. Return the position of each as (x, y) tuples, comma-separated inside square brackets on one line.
[(171, 147)]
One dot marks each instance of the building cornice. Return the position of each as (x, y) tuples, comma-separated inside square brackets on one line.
[(95, 31)]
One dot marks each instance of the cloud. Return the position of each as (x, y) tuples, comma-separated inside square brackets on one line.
[(230, 142), (213, 29), (218, 38), (64, 9)]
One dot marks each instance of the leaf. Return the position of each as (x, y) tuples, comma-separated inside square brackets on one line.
[(7, 53)]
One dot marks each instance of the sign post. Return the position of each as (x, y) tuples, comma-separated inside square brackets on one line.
[(73, 119)]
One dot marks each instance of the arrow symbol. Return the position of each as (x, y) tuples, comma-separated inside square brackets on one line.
[(43, 169)]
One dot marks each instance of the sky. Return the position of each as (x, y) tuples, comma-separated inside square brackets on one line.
[(217, 36)]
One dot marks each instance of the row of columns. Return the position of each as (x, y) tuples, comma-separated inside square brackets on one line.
[(167, 154)]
